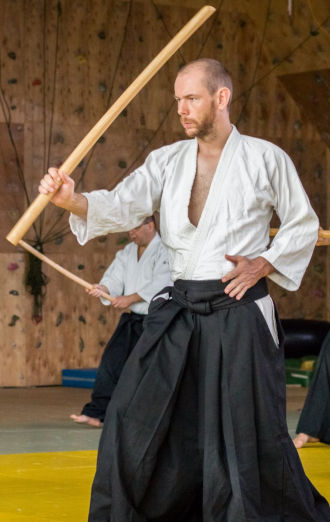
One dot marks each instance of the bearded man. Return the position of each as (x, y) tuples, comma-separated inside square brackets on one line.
[(196, 429)]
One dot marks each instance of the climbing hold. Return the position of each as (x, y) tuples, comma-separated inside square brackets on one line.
[(12, 266), (81, 344), (81, 164), (319, 79), (13, 107), (122, 164), (12, 55), (102, 343), (101, 35), (318, 292), (219, 46), (12, 80), (58, 240), (102, 319), (122, 240), (102, 87), (101, 139), (82, 319), (59, 319), (81, 58), (79, 109), (14, 319), (38, 344), (14, 292), (102, 239), (36, 81), (123, 113), (314, 32), (36, 318), (81, 267), (58, 138)]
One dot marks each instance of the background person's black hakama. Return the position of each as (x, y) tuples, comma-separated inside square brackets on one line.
[(196, 429), (315, 416), (117, 350)]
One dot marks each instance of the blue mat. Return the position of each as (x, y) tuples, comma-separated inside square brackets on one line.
[(79, 377)]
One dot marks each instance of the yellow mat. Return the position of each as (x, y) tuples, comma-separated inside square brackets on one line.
[(46, 487), (53, 487), (315, 458)]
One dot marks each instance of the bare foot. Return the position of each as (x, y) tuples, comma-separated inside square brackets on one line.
[(84, 419), (302, 438)]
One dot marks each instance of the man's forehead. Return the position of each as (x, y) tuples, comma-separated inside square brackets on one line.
[(192, 78)]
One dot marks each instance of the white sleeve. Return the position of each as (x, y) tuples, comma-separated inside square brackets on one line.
[(159, 276), (293, 245), (113, 277), (124, 207)]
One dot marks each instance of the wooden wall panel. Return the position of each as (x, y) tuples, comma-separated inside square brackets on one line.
[(327, 225), (71, 60), (13, 320)]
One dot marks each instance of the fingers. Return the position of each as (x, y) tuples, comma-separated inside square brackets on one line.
[(116, 303), (52, 181), (236, 289), (95, 291)]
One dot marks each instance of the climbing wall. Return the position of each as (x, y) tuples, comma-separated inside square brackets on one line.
[(62, 64)]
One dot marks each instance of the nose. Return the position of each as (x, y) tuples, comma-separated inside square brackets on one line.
[(182, 107)]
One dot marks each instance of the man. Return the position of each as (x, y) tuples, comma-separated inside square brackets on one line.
[(196, 428), (136, 274)]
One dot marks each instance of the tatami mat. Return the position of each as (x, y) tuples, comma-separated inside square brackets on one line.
[(46, 487), (43, 480), (315, 458), (55, 487)]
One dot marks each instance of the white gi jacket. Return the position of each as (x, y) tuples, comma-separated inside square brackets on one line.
[(127, 275), (253, 178)]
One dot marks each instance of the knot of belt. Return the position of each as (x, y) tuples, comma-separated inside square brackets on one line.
[(200, 307)]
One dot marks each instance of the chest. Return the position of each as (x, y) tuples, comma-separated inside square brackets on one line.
[(205, 170)]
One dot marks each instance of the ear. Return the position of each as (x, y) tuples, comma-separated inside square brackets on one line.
[(223, 98)]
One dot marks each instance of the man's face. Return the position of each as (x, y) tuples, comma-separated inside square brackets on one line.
[(141, 235), (196, 106)]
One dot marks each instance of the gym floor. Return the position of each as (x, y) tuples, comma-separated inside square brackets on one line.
[(47, 462)]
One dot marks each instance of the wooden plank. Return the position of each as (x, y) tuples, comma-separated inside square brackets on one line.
[(13, 320)]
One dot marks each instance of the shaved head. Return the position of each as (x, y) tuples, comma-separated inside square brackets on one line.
[(215, 74)]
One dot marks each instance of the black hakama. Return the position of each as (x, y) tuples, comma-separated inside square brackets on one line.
[(315, 416), (196, 428), (117, 350)]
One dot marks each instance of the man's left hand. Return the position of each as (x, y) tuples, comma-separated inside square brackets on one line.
[(246, 274), (121, 302)]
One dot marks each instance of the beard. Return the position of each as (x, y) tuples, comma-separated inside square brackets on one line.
[(203, 128)]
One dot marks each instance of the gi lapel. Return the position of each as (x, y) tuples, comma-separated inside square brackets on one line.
[(213, 200)]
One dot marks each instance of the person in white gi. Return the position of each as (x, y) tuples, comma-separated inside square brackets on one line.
[(136, 274), (196, 428)]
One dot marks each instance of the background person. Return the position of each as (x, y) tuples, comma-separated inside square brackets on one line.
[(137, 273)]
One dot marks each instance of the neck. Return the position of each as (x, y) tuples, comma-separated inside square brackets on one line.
[(215, 141)]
